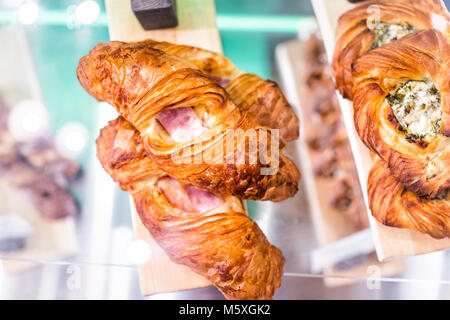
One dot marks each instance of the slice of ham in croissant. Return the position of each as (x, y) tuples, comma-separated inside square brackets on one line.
[(211, 235), (393, 205), (402, 109), (143, 83), (375, 23)]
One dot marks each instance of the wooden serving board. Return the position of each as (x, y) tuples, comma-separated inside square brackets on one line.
[(196, 27), (330, 224), (389, 242)]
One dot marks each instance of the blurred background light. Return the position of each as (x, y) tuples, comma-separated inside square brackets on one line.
[(28, 12), (71, 139), (106, 113), (11, 3), (87, 12), (139, 252), (28, 120)]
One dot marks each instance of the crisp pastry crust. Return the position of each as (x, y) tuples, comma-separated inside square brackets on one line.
[(357, 31), (222, 244), (122, 155), (393, 205), (141, 81), (265, 104), (213, 64), (422, 166)]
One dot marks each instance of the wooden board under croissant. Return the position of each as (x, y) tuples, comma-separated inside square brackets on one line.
[(196, 27), (389, 242), (329, 223)]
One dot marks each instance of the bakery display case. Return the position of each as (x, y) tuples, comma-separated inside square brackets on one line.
[(68, 231)]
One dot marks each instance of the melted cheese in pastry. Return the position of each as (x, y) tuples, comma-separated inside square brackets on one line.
[(417, 107), (386, 32)]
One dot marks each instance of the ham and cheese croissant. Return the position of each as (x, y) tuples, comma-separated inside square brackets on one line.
[(402, 109), (189, 125), (375, 23), (393, 205), (261, 99), (211, 235)]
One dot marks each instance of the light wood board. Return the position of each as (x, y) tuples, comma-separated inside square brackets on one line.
[(196, 24), (330, 224), (196, 27), (389, 242)]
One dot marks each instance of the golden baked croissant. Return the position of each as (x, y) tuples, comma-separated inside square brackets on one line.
[(186, 121), (211, 235), (402, 109), (375, 23), (261, 99), (393, 205)]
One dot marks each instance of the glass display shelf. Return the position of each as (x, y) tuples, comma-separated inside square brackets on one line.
[(105, 264)]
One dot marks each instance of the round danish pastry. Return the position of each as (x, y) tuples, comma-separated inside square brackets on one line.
[(375, 23), (402, 109), (393, 205)]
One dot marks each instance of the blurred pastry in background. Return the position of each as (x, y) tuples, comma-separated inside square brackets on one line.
[(42, 155), (36, 167), (326, 136)]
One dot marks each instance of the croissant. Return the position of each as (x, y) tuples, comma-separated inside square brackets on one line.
[(393, 205), (375, 23), (402, 109), (189, 125), (261, 99), (211, 235)]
